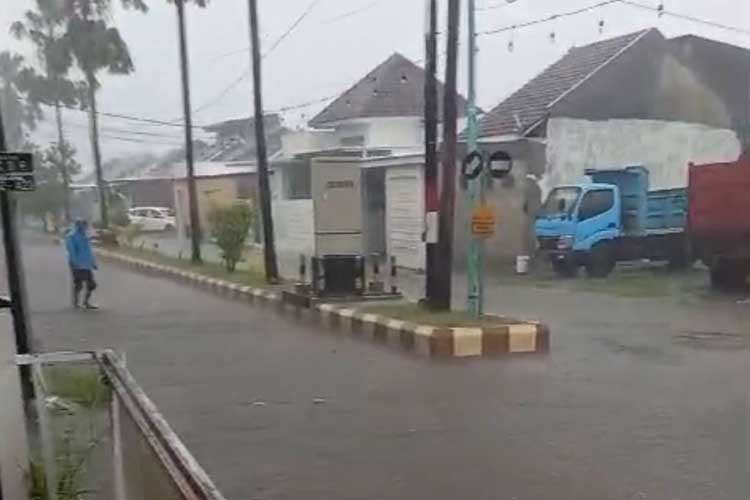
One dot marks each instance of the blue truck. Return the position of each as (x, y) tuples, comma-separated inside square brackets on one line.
[(610, 219)]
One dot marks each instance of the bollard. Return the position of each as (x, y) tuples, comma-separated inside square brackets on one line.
[(376, 286), (302, 269), (394, 280)]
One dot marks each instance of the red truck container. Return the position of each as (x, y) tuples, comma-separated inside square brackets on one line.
[(719, 219)]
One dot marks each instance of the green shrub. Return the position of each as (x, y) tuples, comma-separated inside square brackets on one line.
[(128, 234), (230, 226)]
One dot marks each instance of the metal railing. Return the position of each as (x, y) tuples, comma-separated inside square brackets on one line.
[(146, 459)]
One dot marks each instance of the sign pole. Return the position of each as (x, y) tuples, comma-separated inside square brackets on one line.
[(14, 265), (475, 286)]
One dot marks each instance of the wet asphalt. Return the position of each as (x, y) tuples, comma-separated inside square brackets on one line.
[(638, 399)]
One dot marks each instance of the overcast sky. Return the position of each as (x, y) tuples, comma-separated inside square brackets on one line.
[(330, 50)]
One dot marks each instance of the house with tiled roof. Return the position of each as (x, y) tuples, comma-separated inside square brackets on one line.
[(375, 127), (636, 99)]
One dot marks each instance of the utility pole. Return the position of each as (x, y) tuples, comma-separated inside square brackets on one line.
[(431, 198), (448, 195), (15, 273), (195, 223), (475, 288), (269, 246)]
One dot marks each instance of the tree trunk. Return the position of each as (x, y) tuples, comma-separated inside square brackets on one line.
[(94, 125), (63, 164)]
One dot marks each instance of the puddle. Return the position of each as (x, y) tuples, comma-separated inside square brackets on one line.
[(712, 340)]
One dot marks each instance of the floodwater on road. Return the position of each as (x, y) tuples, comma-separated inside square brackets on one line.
[(638, 399)]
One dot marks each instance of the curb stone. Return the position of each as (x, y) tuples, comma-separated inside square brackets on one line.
[(526, 337)]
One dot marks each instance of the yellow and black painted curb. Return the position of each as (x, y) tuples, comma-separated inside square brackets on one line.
[(527, 337)]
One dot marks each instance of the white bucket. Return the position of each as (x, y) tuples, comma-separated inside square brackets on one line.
[(522, 264)]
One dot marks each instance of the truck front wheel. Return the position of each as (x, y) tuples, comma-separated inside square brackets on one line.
[(601, 261)]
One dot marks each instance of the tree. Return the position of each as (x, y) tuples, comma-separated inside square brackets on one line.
[(44, 28), (49, 196), (20, 113), (230, 226), (95, 47)]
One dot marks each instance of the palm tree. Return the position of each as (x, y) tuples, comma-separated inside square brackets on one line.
[(97, 46), (44, 27), (20, 110)]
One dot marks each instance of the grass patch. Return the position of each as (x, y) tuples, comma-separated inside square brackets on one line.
[(453, 319), (251, 277), (634, 281), (82, 385)]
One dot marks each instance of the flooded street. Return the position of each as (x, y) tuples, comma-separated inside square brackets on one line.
[(637, 399)]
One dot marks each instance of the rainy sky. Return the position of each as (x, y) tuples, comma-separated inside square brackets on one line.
[(333, 46)]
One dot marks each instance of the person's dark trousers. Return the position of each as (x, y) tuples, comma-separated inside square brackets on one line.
[(83, 277)]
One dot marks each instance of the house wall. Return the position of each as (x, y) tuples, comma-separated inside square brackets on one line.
[(515, 199), (665, 148), (293, 229), (212, 191), (404, 132)]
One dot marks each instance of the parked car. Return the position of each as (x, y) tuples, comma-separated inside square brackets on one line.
[(153, 218)]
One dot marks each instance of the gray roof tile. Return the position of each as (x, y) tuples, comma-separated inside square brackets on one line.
[(394, 88), (531, 102)]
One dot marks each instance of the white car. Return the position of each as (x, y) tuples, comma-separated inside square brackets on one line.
[(152, 218)]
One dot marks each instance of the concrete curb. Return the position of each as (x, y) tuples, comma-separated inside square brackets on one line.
[(526, 337)]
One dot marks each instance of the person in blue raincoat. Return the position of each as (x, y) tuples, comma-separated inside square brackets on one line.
[(82, 263)]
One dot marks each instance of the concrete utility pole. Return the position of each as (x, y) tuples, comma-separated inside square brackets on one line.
[(448, 195), (264, 190), (195, 223), (431, 198), (475, 288)]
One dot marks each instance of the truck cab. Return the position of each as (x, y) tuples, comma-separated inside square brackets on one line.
[(574, 219)]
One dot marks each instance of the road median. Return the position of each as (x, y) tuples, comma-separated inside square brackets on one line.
[(424, 334)]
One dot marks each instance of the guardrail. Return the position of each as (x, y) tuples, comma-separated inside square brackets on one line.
[(135, 454)]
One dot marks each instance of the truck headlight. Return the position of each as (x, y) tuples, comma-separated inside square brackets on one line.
[(565, 242)]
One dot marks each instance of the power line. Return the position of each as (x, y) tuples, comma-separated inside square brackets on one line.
[(631, 3), (686, 17), (495, 6), (246, 72), (351, 13), (549, 18)]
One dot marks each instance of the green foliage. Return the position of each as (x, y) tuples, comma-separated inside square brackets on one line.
[(128, 234), (230, 226), (45, 29), (20, 110), (49, 196), (82, 385)]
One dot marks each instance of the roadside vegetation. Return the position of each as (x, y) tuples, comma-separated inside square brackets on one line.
[(253, 275), (634, 281), (414, 313)]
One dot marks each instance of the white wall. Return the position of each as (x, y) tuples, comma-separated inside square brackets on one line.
[(665, 148), (307, 141), (404, 132), (293, 228)]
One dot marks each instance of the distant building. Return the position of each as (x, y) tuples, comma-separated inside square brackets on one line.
[(637, 99), (377, 126)]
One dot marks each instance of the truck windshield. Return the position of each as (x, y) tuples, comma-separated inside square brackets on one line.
[(560, 201)]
